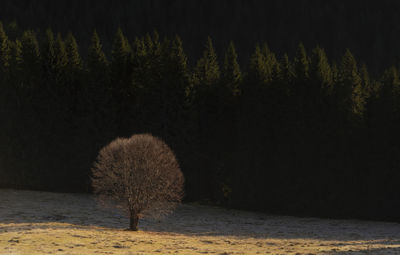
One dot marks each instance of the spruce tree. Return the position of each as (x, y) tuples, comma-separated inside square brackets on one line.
[(30, 56), (74, 71), (270, 62), (173, 83), (48, 49), (97, 65), (369, 86), (61, 60), (301, 64), (320, 70), (206, 81), (15, 60), (390, 91), (97, 61), (98, 95), (207, 72), (302, 87), (231, 73), (119, 58), (74, 61), (287, 73), (121, 83), (351, 91), (257, 69), (5, 53)]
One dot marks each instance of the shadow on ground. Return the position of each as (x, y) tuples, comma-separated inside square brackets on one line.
[(82, 211)]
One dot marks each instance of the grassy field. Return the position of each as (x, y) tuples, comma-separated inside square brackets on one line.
[(52, 223)]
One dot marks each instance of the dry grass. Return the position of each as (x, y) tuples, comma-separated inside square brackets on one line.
[(50, 223)]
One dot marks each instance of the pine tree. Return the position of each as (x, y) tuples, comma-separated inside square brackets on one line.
[(207, 70), (96, 97), (15, 60), (97, 61), (257, 69), (61, 60), (231, 74), (175, 83), (369, 87), (390, 90), (121, 85), (320, 70), (287, 73), (384, 109), (30, 56), (270, 62), (49, 56), (301, 89), (74, 61), (318, 104), (74, 71), (206, 82), (119, 58), (98, 72), (350, 91), (301, 64), (5, 53)]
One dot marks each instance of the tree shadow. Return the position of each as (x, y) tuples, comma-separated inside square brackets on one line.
[(24, 210)]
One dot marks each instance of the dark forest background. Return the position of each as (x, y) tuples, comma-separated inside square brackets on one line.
[(257, 119)]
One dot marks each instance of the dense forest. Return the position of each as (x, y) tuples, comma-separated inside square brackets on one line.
[(368, 28), (294, 132)]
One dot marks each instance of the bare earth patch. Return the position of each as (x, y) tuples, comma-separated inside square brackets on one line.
[(55, 223)]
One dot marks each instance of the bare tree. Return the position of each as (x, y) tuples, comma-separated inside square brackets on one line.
[(139, 175)]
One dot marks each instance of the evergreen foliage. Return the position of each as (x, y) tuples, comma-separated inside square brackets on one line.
[(261, 136)]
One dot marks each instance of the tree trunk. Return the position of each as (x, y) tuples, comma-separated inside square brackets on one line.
[(134, 219)]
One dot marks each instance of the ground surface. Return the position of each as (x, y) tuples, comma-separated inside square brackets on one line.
[(52, 223)]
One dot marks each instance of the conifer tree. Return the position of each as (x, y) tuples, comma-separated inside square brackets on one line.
[(390, 90), (270, 62), (231, 93), (74, 71), (74, 61), (15, 60), (121, 83), (176, 74), (207, 70), (5, 53), (61, 60), (258, 70), (97, 65), (369, 87), (206, 82), (99, 106), (319, 92), (163, 88), (49, 56), (119, 58), (29, 72), (302, 87), (287, 73), (320, 70), (97, 60), (149, 84), (231, 74), (30, 56), (301, 64), (350, 87), (384, 109)]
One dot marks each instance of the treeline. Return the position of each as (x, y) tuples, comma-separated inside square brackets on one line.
[(369, 28), (301, 135)]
